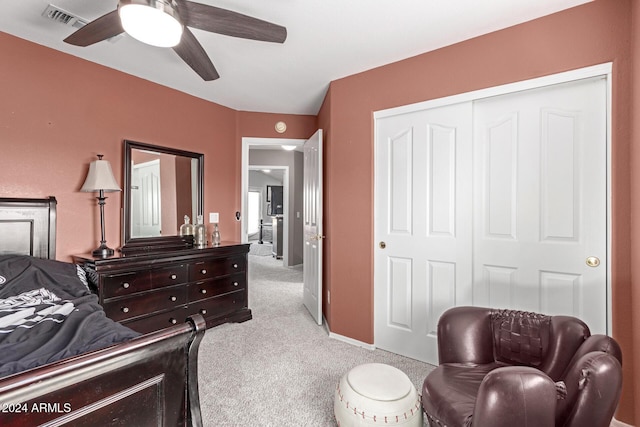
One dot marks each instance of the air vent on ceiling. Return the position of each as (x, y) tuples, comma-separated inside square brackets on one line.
[(56, 14)]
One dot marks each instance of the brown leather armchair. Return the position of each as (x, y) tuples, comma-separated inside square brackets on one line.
[(506, 368)]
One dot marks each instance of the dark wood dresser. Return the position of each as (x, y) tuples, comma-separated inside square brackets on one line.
[(148, 292)]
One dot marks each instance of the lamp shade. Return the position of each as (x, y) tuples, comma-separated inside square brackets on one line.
[(100, 177)]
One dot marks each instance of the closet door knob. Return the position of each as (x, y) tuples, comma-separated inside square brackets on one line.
[(593, 261)]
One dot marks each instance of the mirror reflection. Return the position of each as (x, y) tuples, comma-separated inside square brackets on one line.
[(164, 187)]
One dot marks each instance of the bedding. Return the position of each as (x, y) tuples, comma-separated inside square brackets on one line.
[(48, 313)]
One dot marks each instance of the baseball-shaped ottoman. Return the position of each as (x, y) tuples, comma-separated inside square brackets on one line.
[(376, 394)]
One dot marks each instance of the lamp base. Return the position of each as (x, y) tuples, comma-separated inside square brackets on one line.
[(102, 252)]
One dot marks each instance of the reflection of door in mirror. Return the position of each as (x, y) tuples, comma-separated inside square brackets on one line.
[(155, 212), (146, 199)]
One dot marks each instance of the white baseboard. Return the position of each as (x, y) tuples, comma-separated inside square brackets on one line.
[(616, 423), (351, 341), (343, 338)]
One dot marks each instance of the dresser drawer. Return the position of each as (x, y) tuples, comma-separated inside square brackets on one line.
[(159, 320), (148, 302), (168, 276), (219, 306), (217, 267), (126, 283), (203, 289)]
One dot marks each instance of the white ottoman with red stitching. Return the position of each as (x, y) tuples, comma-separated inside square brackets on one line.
[(376, 394)]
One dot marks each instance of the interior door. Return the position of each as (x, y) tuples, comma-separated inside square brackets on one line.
[(146, 200), (312, 215), (540, 201), (422, 227)]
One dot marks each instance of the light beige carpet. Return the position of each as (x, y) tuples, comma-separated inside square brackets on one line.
[(280, 368)]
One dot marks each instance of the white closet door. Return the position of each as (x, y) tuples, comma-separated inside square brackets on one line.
[(539, 214), (422, 228)]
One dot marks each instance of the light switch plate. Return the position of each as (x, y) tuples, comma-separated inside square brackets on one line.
[(214, 217)]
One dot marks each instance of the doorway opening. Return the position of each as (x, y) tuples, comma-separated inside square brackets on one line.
[(258, 155)]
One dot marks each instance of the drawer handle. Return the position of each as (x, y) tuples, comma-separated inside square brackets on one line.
[(203, 291), (203, 311), (125, 309), (173, 321), (235, 265), (174, 298), (235, 283), (203, 271), (174, 277), (126, 285)]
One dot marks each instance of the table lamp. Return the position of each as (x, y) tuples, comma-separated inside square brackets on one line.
[(100, 178)]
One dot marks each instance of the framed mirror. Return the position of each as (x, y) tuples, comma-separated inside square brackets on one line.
[(161, 186)]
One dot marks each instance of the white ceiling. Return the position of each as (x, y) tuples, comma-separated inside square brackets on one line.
[(327, 40)]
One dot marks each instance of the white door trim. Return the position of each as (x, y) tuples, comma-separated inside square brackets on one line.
[(247, 142), (564, 77)]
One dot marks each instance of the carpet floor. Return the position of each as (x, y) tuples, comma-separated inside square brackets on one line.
[(261, 249), (280, 368)]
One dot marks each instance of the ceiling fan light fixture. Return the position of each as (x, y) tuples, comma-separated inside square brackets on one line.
[(153, 22)]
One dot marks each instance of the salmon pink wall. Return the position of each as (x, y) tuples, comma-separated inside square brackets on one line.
[(594, 33), (262, 125), (58, 111), (634, 321)]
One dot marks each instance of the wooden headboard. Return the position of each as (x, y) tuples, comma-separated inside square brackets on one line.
[(28, 227)]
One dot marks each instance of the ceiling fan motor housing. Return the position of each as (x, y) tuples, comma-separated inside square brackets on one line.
[(155, 22)]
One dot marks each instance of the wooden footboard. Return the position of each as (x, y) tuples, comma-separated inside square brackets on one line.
[(149, 381)]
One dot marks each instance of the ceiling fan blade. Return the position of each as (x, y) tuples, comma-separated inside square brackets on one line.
[(192, 52), (103, 28), (229, 23)]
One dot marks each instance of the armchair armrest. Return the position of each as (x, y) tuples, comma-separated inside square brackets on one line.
[(465, 336), (515, 396), (594, 384)]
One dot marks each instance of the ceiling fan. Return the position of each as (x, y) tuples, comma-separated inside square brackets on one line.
[(167, 22)]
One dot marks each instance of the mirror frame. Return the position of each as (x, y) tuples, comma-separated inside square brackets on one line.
[(163, 243)]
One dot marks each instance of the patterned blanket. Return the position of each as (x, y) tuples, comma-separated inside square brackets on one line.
[(48, 313)]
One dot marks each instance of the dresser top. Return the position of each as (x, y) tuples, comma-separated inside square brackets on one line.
[(225, 249)]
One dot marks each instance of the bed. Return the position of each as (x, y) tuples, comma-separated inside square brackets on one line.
[(62, 361)]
